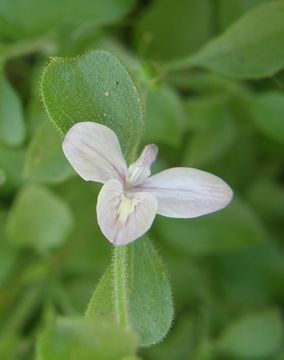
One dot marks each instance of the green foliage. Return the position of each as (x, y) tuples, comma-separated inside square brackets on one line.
[(166, 32), (25, 19), (76, 338), (268, 114), (146, 297), (12, 126), (164, 116), (254, 336), (38, 219), (94, 87), (202, 79), (45, 161), (249, 49), (235, 227)]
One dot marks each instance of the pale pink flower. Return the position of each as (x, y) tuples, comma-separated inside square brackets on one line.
[(130, 198)]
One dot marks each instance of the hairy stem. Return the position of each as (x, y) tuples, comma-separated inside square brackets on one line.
[(120, 284)]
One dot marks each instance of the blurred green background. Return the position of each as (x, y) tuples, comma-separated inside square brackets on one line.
[(220, 110)]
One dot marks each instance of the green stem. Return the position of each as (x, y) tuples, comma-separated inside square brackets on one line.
[(120, 284)]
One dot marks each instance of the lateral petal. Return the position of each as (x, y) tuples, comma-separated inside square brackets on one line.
[(124, 217), (141, 168), (94, 152), (187, 193)]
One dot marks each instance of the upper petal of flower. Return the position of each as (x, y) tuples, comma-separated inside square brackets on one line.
[(94, 152), (187, 193), (124, 217), (141, 168)]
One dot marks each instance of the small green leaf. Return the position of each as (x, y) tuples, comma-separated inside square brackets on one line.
[(167, 32), (147, 295), (38, 218), (21, 18), (94, 87), (232, 228), (76, 338), (268, 114), (12, 126), (45, 161), (251, 48), (164, 116), (254, 336)]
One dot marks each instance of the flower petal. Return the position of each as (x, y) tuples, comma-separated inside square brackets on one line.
[(141, 168), (94, 152), (187, 193), (124, 217)]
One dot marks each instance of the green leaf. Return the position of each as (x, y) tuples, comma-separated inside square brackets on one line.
[(11, 163), (164, 116), (45, 161), (12, 126), (229, 11), (206, 146), (232, 228), (21, 18), (76, 338), (147, 295), (254, 336), (167, 32), (268, 114), (94, 87), (251, 48), (39, 219), (213, 128)]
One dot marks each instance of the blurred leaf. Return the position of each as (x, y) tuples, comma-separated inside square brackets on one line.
[(214, 129), (205, 146), (250, 49), (179, 345), (250, 277), (167, 32), (254, 336), (76, 338), (2, 177), (267, 197), (204, 112), (20, 18), (268, 114), (12, 127), (39, 219), (7, 254), (164, 116), (94, 87), (45, 161), (230, 229), (229, 11), (88, 252), (12, 163), (8, 347), (148, 295)]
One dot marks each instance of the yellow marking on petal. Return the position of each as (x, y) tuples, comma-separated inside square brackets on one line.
[(126, 208)]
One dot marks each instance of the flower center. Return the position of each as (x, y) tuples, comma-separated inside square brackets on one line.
[(126, 208)]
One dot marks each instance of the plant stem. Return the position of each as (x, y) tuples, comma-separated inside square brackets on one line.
[(120, 284)]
